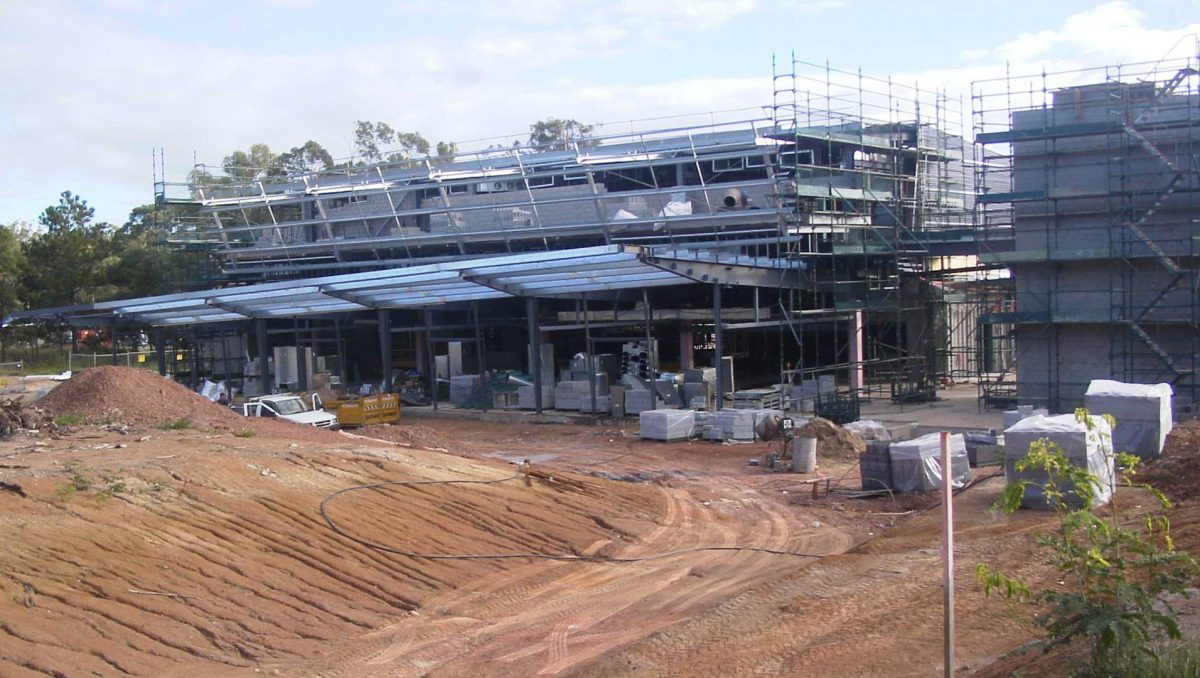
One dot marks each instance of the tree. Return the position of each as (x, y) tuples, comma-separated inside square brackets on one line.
[(65, 262), (258, 162), (378, 142), (310, 157), (559, 134), (12, 262)]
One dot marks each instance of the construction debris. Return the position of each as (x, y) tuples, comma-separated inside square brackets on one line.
[(16, 417), (833, 441)]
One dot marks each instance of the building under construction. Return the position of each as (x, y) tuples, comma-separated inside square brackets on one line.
[(1089, 194), (830, 238)]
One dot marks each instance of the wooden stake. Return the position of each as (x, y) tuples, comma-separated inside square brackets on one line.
[(947, 557)]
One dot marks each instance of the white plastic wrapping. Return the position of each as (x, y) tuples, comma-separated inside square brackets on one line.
[(1084, 448), (667, 424), (917, 463), (1142, 411), (869, 429)]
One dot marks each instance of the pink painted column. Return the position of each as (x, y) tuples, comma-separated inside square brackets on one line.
[(857, 338)]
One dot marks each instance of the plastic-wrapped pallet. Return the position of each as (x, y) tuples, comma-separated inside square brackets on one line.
[(669, 425), (1142, 411), (1011, 417), (1084, 447), (917, 463), (463, 388), (869, 429)]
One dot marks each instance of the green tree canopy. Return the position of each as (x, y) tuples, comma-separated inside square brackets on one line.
[(559, 134), (65, 262)]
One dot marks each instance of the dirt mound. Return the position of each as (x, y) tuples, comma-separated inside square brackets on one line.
[(14, 417), (1177, 472), (833, 441), (415, 435), (139, 397), (134, 396)]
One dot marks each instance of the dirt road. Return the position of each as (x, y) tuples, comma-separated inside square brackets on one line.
[(203, 552)]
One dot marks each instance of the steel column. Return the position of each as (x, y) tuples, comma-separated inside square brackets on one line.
[(480, 355), (160, 350), (718, 346), (650, 352), (535, 351), (587, 342), (385, 348), (431, 358), (264, 372), (112, 338)]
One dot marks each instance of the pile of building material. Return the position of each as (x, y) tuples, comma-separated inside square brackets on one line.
[(1142, 412), (668, 425), (758, 399), (15, 416), (735, 425), (875, 466), (526, 400), (917, 463), (641, 400), (833, 441), (464, 389), (984, 448), (1011, 417), (569, 395), (1086, 446)]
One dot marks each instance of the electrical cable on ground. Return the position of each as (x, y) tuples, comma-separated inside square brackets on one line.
[(515, 556)]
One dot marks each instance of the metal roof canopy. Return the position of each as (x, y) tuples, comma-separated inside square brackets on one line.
[(559, 273)]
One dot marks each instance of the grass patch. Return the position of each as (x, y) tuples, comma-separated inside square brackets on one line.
[(68, 420), (79, 482), (245, 433), (177, 425)]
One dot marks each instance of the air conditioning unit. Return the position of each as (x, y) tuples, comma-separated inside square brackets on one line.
[(491, 187)]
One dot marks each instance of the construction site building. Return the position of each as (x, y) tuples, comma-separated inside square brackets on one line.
[(1089, 195)]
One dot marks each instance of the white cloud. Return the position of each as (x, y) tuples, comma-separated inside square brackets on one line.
[(87, 94)]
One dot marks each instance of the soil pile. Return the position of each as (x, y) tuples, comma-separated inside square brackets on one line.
[(139, 397), (136, 397), (833, 441), (415, 435), (14, 417), (1177, 472)]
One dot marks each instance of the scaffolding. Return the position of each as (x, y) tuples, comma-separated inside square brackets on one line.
[(1089, 194), (875, 186), (673, 186)]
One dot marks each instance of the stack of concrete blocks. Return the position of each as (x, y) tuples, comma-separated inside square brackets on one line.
[(735, 425), (1011, 417), (1086, 446), (668, 425), (1142, 413), (826, 385), (463, 388), (525, 399), (569, 395), (638, 401)]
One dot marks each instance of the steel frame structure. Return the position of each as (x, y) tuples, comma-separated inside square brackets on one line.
[(1098, 223)]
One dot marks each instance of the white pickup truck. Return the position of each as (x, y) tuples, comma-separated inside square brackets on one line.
[(291, 408)]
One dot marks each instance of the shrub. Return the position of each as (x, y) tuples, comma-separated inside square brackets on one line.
[(1115, 580)]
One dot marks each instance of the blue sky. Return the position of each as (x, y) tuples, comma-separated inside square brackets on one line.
[(90, 87)]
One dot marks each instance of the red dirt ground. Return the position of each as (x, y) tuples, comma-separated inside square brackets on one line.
[(198, 552)]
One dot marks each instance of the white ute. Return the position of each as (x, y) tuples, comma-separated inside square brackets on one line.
[(291, 408)]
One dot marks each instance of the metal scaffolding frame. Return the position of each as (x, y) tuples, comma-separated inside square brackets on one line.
[(1089, 193), (875, 185)]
